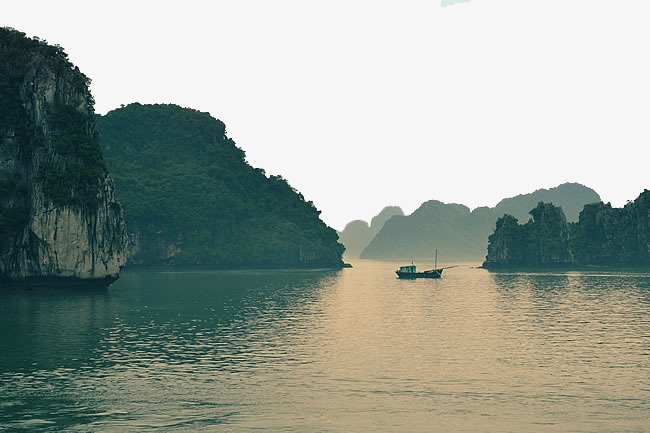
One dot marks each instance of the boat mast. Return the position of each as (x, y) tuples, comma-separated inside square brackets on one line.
[(435, 262)]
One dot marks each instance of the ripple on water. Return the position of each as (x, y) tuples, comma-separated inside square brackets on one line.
[(356, 350)]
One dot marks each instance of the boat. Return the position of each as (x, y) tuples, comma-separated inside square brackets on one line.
[(411, 272)]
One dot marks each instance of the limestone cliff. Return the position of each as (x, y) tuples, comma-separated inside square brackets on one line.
[(603, 235), (543, 241), (614, 236), (59, 218)]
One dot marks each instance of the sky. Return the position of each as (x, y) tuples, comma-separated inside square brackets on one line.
[(362, 104)]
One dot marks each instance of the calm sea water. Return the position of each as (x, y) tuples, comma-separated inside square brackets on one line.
[(355, 350)]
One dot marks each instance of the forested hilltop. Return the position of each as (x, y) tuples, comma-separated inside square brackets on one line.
[(603, 235), (190, 198)]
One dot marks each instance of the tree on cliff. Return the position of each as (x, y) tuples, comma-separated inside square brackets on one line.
[(190, 197)]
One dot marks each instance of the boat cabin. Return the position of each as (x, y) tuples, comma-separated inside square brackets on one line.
[(410, 269)]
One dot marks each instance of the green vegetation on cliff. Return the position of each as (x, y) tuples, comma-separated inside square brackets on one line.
[(64, 138), (602, 236), (17, 53), (190, 198), (42, 129)]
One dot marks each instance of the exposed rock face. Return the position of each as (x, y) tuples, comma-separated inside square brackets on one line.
[(59, 218)]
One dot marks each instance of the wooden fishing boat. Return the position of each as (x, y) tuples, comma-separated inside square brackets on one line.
[(411, 272)]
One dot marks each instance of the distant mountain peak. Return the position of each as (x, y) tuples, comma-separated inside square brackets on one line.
[(462, 233), (571, 196), (357, 234)]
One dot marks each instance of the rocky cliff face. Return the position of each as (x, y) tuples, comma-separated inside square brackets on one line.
[(614, 236), (543, 241), (603, 235), (59, 218)]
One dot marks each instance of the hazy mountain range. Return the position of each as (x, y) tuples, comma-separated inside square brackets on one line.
[(358, 234), (457, 232)]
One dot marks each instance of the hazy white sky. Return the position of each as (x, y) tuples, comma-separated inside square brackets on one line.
[(361, 104)]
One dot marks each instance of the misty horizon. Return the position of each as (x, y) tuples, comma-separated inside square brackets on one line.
[(465, 93)]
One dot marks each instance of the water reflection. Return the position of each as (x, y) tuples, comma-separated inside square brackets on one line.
[(233, 322), (48, 329), (353, 350), (586, 335), (149, 332)]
